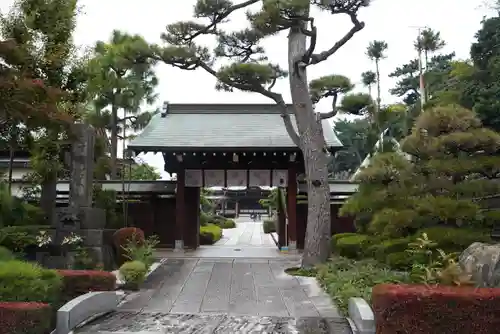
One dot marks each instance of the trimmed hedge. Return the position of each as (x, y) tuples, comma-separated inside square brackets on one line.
[(269, 226), (27, 282), (25, 318), (421, 309), (352, 246), (79, 282), (210, 234)]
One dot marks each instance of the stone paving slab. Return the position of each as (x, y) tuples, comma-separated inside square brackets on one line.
[(259, 287), (161, 323), (246, 234)]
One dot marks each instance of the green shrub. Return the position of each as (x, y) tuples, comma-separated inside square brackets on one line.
[(399, 260), (269, 225), (26, 282), (344, 278), (338, 236), (204, 218), (382, 249), (452, 239), (17, 238), (352, 246), (227, 223), (210, 234), (142, 252), (133, 274), (6, 255)]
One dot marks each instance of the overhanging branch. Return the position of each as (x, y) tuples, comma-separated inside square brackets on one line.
[(357, 26), (216, 19), (278, 98), (334, 110)]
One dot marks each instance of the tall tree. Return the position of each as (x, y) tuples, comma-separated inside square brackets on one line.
[(122, 79), (428, 42), (407, 75), (43, 31), (376, 52), (358, 139), (369, 78), (249, 70)]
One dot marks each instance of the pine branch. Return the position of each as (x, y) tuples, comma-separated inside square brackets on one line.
[(278, 98), (357, 26), (334, 110)]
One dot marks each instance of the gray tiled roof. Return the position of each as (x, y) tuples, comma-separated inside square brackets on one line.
[(219, 126)]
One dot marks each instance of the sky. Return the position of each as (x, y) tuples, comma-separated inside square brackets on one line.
[(393, 21)]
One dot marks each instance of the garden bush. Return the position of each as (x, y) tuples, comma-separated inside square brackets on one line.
[(380, 250), (210, 234), (79, 282), (353, 246), (18, 238), (204, 218), (25, 318), (227, 223), (122, 237), (133, 273), (452, 239), (422, 309), (27, 282), (143, 252), (269, 225), (345, 278), (6, 254)]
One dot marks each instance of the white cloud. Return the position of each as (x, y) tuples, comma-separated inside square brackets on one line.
[(389, 20)]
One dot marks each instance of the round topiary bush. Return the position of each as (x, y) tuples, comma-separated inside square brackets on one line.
[(133, 274), (122, 237)]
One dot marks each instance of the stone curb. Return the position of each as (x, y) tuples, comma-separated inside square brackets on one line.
[(361, 316)]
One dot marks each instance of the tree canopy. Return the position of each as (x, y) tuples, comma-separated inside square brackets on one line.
[(446, 180)]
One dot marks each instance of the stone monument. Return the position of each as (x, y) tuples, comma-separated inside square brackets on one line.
[(80, 217)]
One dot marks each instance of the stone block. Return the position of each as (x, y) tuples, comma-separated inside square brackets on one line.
[(482, 261), (93, 238), (93, 218), (84, 307), (362, 316)]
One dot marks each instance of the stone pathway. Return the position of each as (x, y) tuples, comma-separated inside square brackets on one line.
[(246, 234), (225, 296)]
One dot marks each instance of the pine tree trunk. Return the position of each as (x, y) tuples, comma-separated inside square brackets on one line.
[(11, 162), (317, 242), (114, 142), (378, 84)]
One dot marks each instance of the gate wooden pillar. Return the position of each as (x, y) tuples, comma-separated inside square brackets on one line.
[(292, 207), (180, 210)]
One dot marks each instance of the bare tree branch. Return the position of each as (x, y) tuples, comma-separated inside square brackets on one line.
[(317, 58), (334, 110)]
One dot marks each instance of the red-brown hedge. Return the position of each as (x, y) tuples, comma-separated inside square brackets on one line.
[(25, 318), (122, 237), (79, 282), (421, 309)]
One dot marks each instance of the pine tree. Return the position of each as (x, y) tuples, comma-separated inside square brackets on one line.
[(446, 179)]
